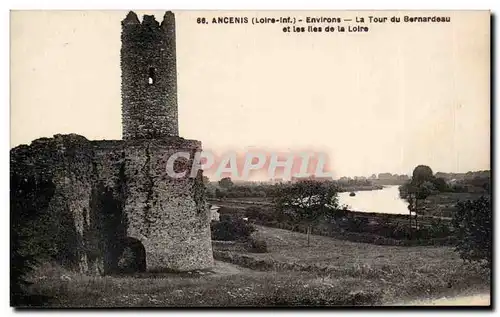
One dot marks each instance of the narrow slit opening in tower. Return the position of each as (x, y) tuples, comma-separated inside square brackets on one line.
[(152, 77)]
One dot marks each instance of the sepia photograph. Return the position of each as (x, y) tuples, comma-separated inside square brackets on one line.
[(230, 159)]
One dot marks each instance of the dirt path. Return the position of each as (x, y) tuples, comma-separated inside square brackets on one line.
[(470, 300), (225, 268)]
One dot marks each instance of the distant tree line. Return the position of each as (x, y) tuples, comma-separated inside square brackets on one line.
[(427, 183), (226, 188)]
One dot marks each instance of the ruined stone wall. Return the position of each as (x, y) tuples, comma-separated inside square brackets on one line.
[(114, 190), (65, 162), (149, 108), (168, 215)]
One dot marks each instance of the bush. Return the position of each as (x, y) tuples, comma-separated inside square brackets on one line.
[(220, 193), (260, 214), (210, 191), (256, 245), (357, 224), (458, 188), (439, 229), (401, 232), (440, 184), (425, 190), (473, 229), (31, 236), (20, 266), (231, 229)]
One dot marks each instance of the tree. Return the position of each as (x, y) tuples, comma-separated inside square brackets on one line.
[(421, 192), (206, 180), (226, 183), (403, 177), (473, 229), (425, 189), (408, 191), (421, 174), (418, 188), (384, 176), (307, 200), (210, 190), (440, 184)]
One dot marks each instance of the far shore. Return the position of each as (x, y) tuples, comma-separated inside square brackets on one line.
[(361, 188)]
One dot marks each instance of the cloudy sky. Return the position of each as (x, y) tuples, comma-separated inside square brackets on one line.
[(383, 101)]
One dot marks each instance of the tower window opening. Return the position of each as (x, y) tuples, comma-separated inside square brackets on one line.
[(152, 77)]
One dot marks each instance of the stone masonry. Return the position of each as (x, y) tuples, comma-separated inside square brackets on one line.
[(149, 77), (118, 193)]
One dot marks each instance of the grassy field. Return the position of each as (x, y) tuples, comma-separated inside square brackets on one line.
[(443, 204), (399, 273), (329, 272)]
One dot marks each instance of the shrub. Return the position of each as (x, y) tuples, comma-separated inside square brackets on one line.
[(425, 189), (439, 229), (31, 238), (260, 214), (220, 193), (253, 213), (473, 229), (440, 184), (256, 245), (357, 224), (458, 188), (20, 266), (231, 229)]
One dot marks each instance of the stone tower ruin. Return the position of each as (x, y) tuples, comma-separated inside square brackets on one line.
[(94, 201), (149, 77)]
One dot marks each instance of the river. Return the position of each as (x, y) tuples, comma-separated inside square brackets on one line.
[(384, 200)]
